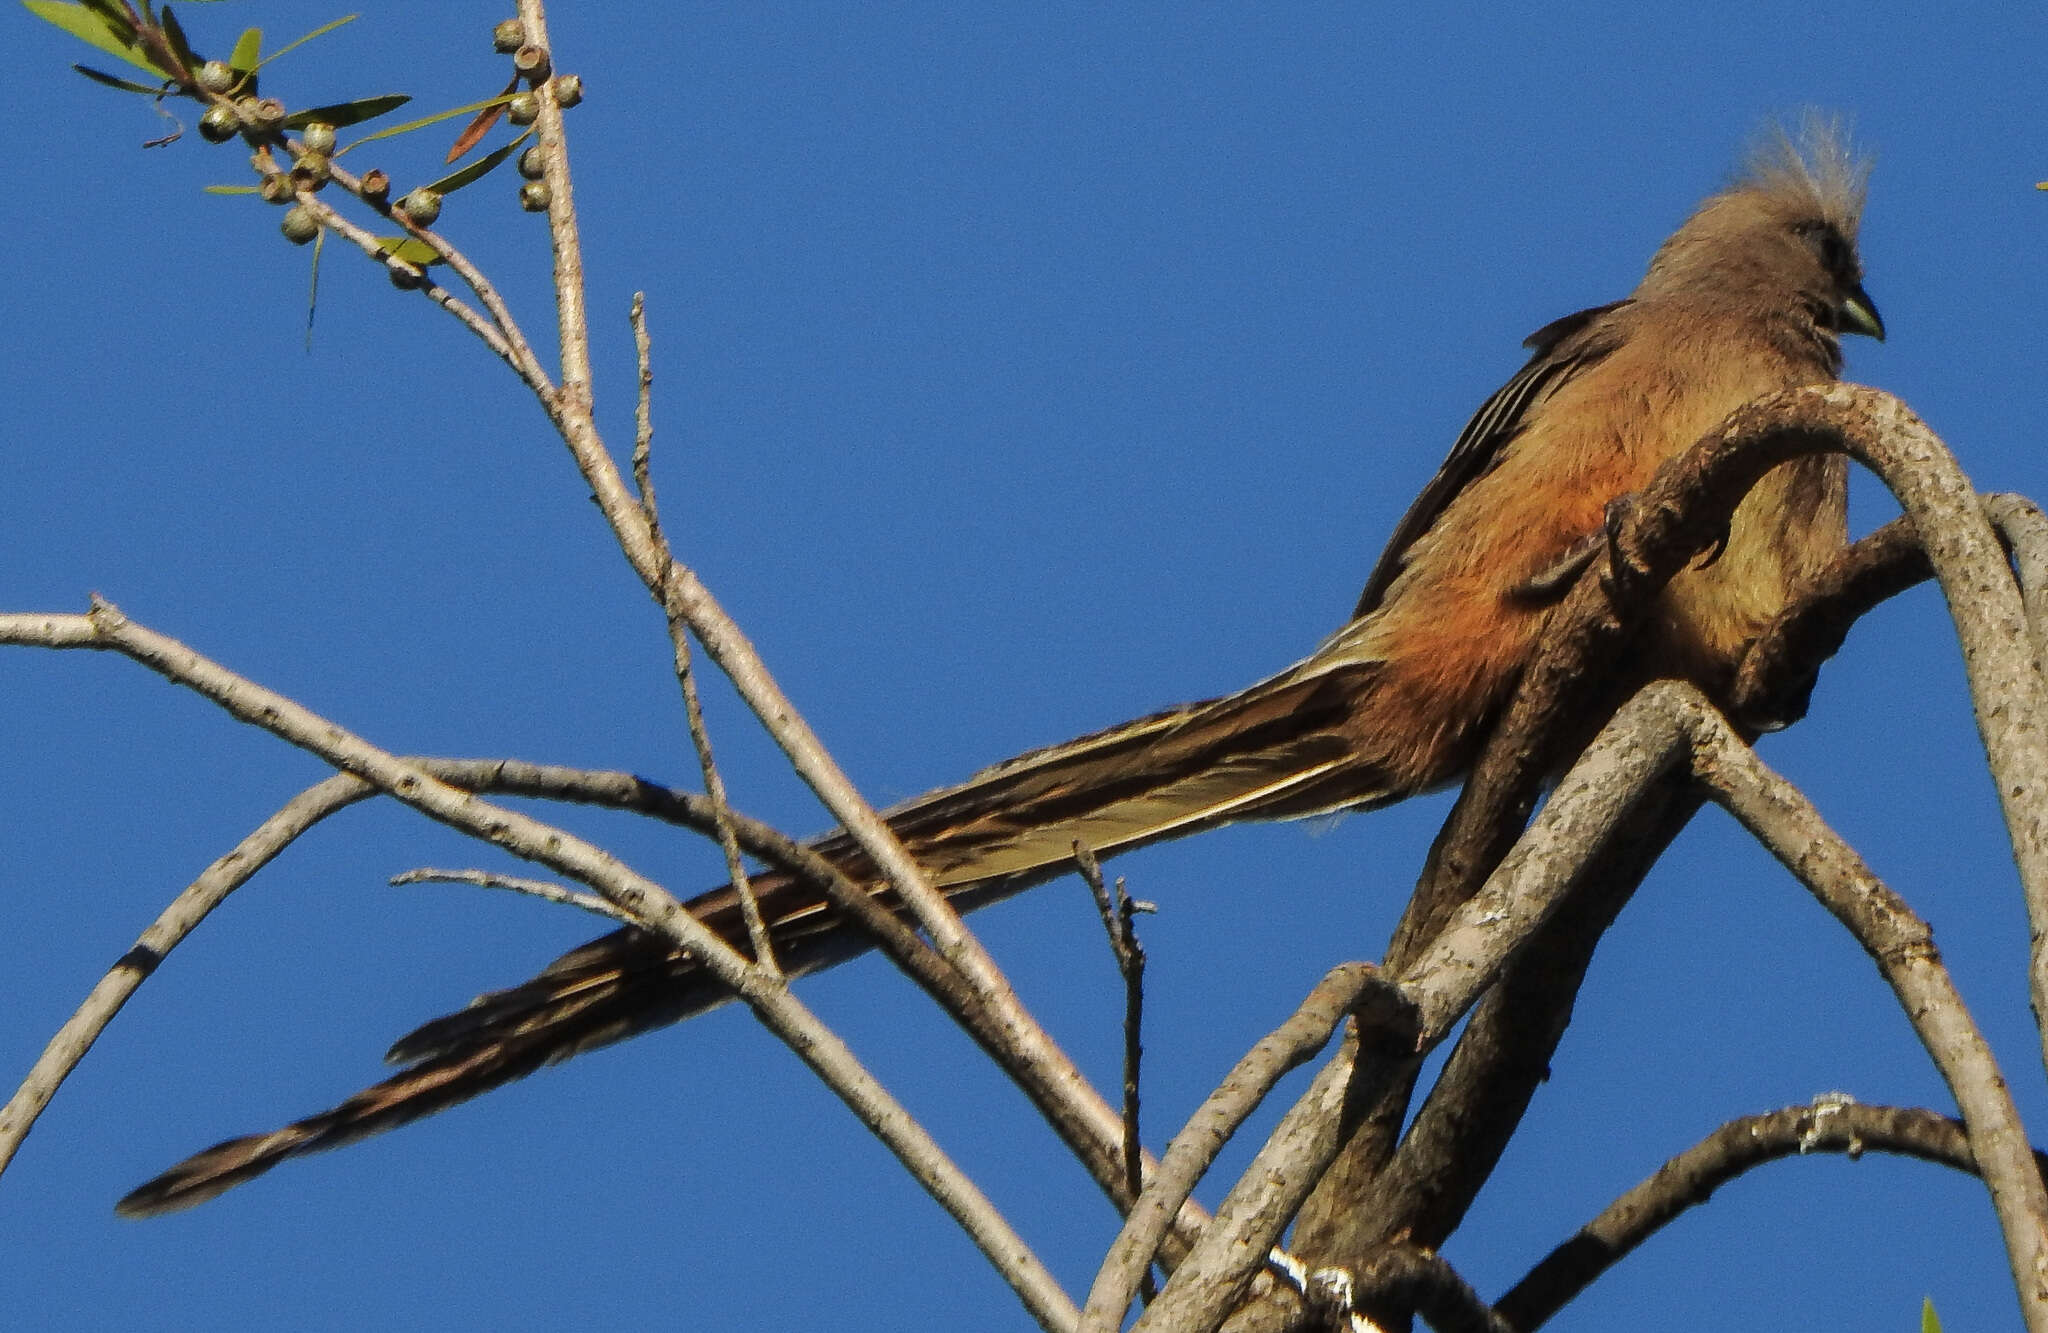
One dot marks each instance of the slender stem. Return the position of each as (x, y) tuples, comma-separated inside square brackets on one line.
[(71, 1041), (542, 889)]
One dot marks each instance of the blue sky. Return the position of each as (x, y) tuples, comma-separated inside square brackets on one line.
[(1018, 372)]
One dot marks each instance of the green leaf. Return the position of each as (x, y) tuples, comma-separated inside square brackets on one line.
[(94, 29), (412, 125), (478, 169), (1929, 1321), (174, 34), (248, 52), (347, 113), (125, 85), (320, 31), (115, 17), (411, 249), (233, 189)]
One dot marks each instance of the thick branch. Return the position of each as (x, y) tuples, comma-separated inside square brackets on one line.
[(1591, 803)]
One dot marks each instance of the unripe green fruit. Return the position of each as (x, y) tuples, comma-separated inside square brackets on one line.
[(299, 225), (219, 124), (421, 206)]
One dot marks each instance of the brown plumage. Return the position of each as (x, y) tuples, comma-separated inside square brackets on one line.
[(1746, 298)]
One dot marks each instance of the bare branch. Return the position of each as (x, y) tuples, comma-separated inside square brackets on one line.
[(1590, 805), (532, 888), (767, 994), (758, 938), (2024, 530), (1774, 811), (1831, 1124), (1118, 915), (1778, 671), (1409, 1277), (2006, 685), (170, 928), (1349, 985)]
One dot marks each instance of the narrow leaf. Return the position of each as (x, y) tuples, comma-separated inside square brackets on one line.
[(248, 52), (89, 27), (347, 113), (233, 189), (412, 125), (174, 34), (125, 85), (320, 31), (409, 248), (478, 128), (115, 17), (478, 169)]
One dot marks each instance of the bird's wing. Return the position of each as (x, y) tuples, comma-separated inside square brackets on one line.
[(1562, 348)]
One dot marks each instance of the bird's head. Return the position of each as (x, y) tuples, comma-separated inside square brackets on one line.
[(1780, 241)]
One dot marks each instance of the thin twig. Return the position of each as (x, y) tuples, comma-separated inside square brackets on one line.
[(542, 889), (643, 410), (1117, 912), (759, 939)]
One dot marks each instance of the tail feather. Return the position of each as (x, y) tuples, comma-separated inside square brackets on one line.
[(1287, 747)]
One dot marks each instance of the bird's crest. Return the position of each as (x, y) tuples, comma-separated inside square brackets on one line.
[(1814, 164)]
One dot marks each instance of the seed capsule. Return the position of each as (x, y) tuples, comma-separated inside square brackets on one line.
[(299, 225), (421, 206)]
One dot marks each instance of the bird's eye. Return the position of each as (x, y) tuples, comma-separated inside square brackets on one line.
[(1827, 246)]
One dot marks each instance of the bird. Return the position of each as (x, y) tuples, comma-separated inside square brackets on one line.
[(1750, 295)]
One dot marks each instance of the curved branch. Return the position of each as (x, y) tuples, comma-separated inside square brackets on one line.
[(1827, 1125), (1777, 815), (2024, 530), (1680, 514), (1778, 671), (2006, 685), (78, 1033), (1383, 1013), (1408, 1277)]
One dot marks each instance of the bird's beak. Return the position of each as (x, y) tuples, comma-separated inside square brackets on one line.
[(1857, 314)]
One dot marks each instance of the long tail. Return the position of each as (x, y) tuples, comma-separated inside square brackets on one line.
[(1286, 747)]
